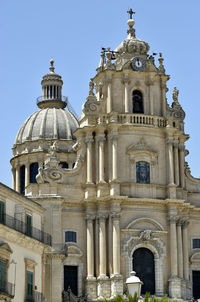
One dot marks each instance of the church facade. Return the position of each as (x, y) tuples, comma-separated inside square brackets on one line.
[(114, 188)]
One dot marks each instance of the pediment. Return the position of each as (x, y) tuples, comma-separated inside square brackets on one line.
[(145, 224), (141, 147), (4, 246), (195, 257), (73, 250)]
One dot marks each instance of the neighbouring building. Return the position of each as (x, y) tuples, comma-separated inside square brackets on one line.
[(112, 188)]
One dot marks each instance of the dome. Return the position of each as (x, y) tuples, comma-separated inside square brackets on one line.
[(132, 45), (48, 123)]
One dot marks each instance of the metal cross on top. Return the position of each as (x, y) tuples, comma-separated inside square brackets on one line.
[(131, 12)]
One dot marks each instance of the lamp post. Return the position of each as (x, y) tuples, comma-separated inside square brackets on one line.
[(134, 284)]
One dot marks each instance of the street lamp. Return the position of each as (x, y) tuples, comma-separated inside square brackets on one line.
[(134, 284)]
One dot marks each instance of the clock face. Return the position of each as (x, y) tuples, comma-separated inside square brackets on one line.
[(138, 64)]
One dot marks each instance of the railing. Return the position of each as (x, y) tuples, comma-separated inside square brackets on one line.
[(135, 119), (52, 98), (68, 296), (7, 288), (22, 227), (35, 297)]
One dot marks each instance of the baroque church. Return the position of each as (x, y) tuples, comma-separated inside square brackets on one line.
[(98, 197)]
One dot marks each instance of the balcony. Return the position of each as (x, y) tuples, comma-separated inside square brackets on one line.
[(22, 227), (7, 289), (34, 297)]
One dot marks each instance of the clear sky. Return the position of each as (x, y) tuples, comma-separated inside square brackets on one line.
[(73, 32)]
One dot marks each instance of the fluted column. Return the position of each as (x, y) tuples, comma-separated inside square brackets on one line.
[(102, 245), (170, 161), (101, 141), (89, 141), (173, 245), (180, 248), (17, 178), (114, 139), (185, 250), (116, 243), (109, 97), (90, 246), (176, 164), (182, 163)]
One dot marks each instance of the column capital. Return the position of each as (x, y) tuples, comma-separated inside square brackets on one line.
[(185, 223), (181, 147), (169, 141), (89, 217), (89, 140), (102, 217), (115, 215), (113, 137), (180, 221), (172, 218), (101, 138), (175, 144)]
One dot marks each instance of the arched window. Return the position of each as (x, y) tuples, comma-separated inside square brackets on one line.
[(33, 172), (142, 172), (137, 102), (22, 179), (143, 265), (64, 164)]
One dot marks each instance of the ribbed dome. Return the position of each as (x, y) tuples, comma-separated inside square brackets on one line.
[(48, 123)]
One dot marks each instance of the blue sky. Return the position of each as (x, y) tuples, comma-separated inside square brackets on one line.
[(73, 32)]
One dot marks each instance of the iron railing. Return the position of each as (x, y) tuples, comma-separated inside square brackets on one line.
[(23, 228), (35, 297), (68, 296), (7, 288), (52, 98)]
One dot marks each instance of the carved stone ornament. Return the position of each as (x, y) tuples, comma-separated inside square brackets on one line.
[(140, 147), (54, 173), (176, 109), (146, 235)]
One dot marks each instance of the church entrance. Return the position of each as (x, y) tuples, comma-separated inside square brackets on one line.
[(143, 265), (71, 278), (196, 284)]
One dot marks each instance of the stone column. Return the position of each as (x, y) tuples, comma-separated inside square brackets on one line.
[(109, 97), (185, 250), (149, 83), (180, 248), (17, 178), (90, 246), (182, 165), (13, 179), (176, 164), (126, 100), (116, 243), (102, 245), (101, 140), (173, 245), (163, 96), (89, 141), (114, 139), (27, 174), (57, 280), (170, 162)]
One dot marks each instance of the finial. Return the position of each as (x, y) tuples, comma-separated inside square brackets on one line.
[(131, 22), (51, 68), (131, 12), (91, 87), (161, 66)]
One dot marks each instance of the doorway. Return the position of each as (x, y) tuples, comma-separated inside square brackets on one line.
[(71, 278), (196, 284), (143, 265)]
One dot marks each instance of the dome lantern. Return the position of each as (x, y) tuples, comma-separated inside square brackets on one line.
[(52, 90)]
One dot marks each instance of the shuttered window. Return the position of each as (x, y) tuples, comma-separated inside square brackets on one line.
[(29, 286), (2, 212), (3, 275), (29, 225), (70, 236)]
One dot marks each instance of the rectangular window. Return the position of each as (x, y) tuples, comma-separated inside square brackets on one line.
[(70, 236), (2, 212), (29, 225), (29, 286), (3, 275), (196, 243)]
